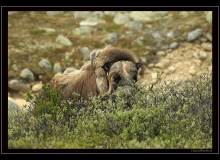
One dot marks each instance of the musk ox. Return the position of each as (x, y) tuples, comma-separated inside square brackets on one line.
[(107, 69)]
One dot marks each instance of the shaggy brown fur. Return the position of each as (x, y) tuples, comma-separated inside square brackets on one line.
[(91, 78), (112, 55), (79, 81)]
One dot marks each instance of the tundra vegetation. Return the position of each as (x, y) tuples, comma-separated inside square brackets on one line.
[(164, 117)]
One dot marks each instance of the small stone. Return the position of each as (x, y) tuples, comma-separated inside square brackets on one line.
[(154, 78), (19, 50), (57, 68), (172, 69), (63, 40), (9, 63), (112, 37), (149, 26), (46, 29), (143, 59), (170, 34), (9, 25), (154, 75), (92, 21), (196, 54), (156, 35), (202, 55), (209, 37), (166, 71), (37, 87), (160, 53), (184, 14), (180, 80), (197, 62), (33, 13), (194, 34), (159, 14), (134, 25), (128, 32), (14, 66), (20, 103), (209, 17), (12, 12), (192, 71), (45, 64), (27, 74), (210, 70), (98, 13), (140, 41), (141, 15), (178, 64), (151, 65), (67, 14), (83, 30), (164, 47), (192, 12), (121, 19), (83, 14), (163, 64), (174, 45), (169, 50), (18, 86), (203, 39), (12, 106), (54, 13), (110, 13), (192, 67), (67, 56), (207, 46), (83, 23), (85, 51)]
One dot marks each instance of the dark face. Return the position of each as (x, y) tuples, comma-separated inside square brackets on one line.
[(122, 74)]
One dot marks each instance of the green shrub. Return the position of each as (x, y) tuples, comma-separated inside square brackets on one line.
[(164, 116)]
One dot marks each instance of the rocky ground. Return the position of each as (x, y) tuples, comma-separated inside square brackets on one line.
[(41, 43)]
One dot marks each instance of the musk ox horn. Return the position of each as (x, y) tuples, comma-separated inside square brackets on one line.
[(111, 88)]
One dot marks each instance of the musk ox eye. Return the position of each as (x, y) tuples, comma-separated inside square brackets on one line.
[(135, 78), (116, 79)]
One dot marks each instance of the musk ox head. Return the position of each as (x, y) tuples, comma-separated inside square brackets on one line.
[(108, 69), (114, 68), (122, 74)]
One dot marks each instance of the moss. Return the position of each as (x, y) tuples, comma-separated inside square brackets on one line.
[(107, 18), (60, 50), (137, 50), (109, 27), (36, 32), (93, 43), (24, 54), (123, 42)]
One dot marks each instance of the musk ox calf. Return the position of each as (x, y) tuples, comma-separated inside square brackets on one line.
[(104, 73)]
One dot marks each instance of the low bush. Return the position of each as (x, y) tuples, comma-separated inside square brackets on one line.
[(164, 116)]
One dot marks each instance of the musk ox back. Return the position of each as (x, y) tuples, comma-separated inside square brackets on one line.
[(104, 73)]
